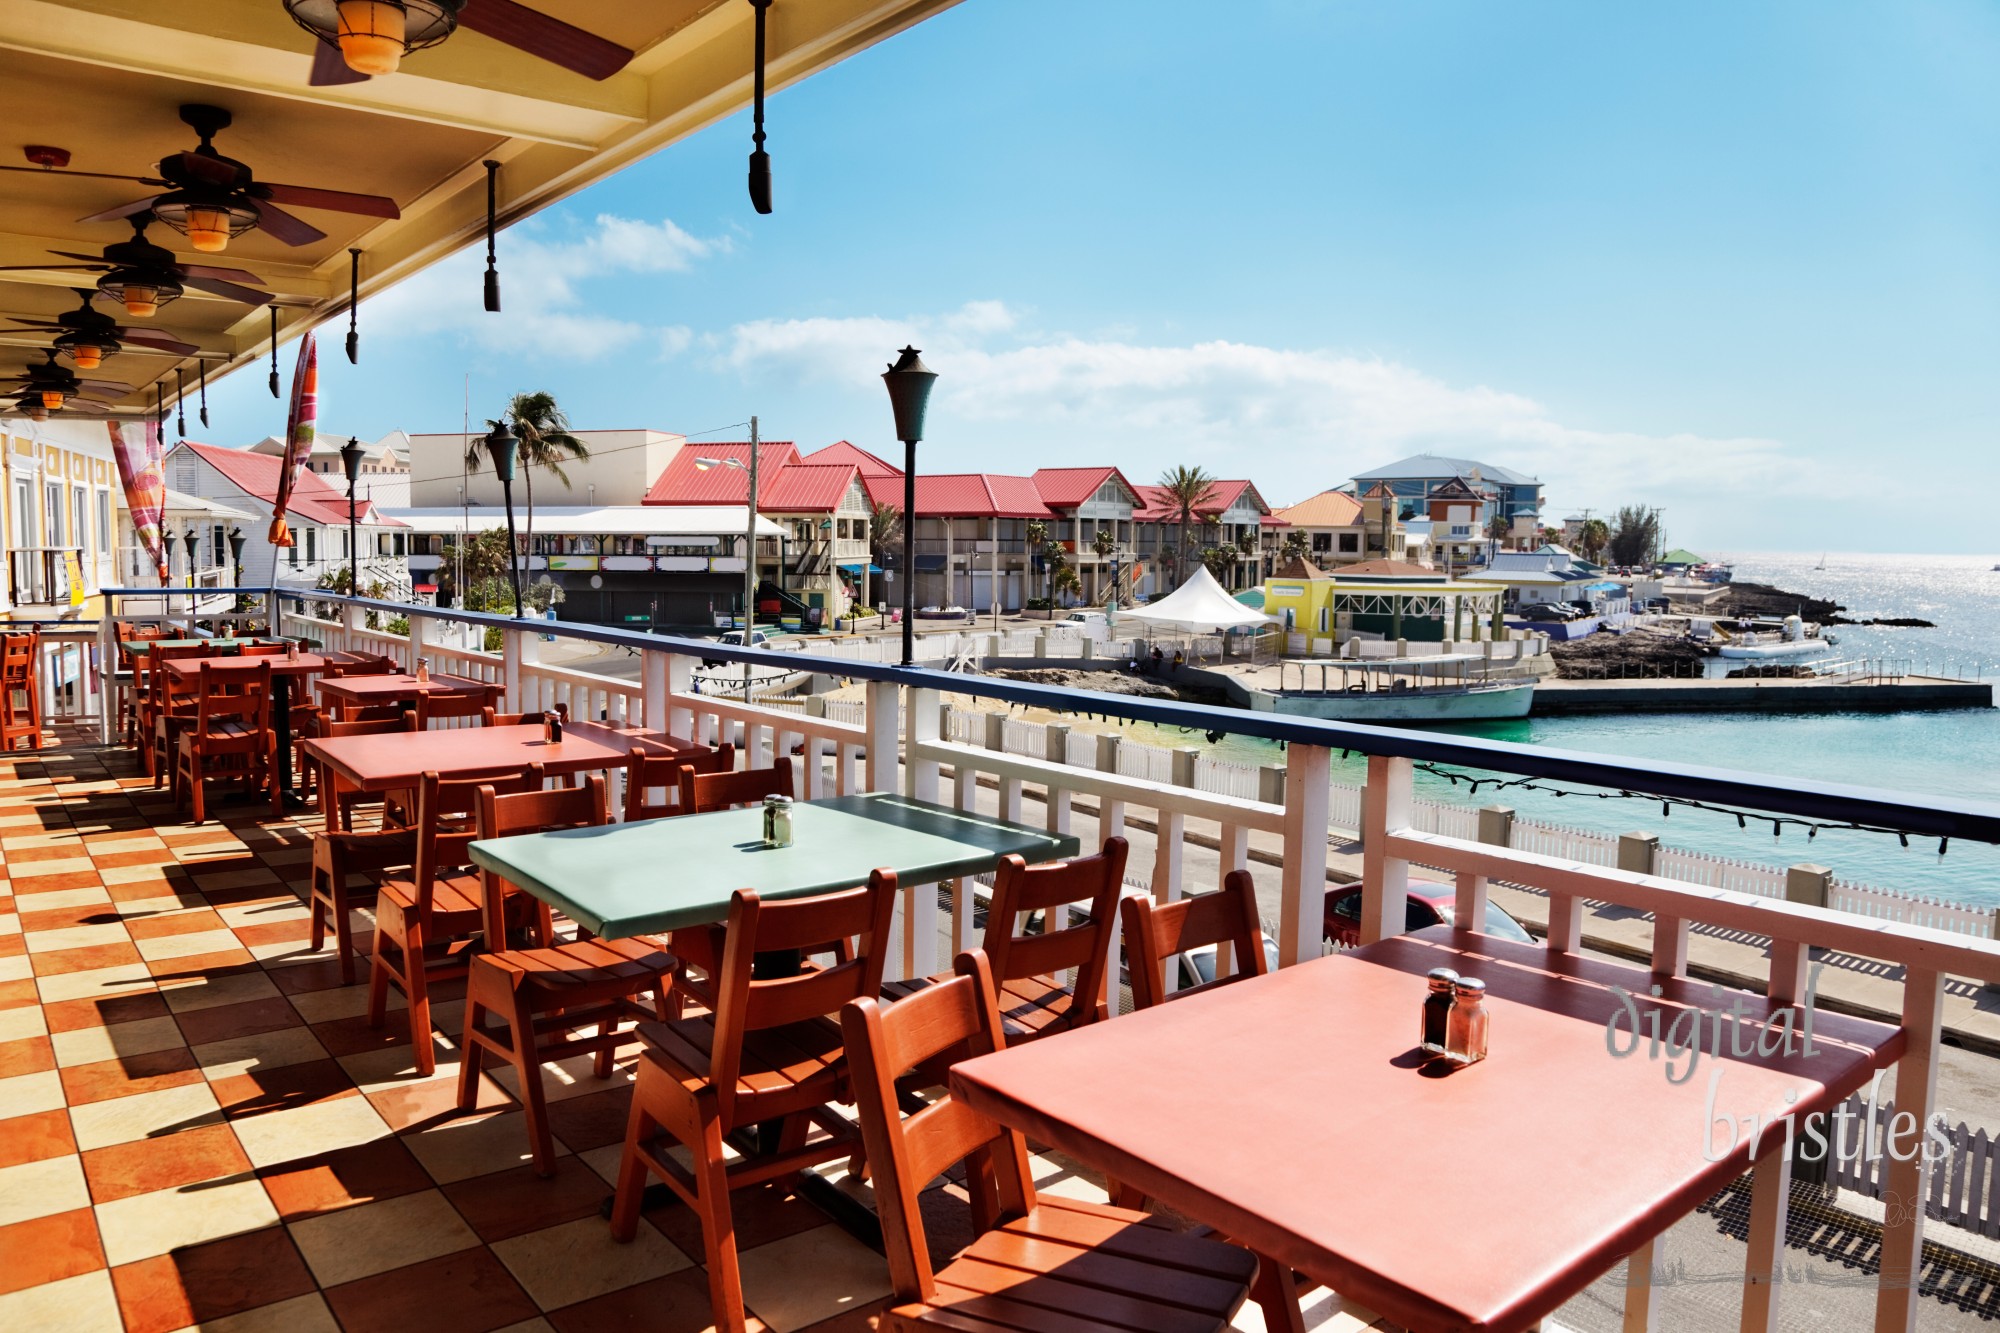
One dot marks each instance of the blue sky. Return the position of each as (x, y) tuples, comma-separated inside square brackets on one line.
[(1738, 260)]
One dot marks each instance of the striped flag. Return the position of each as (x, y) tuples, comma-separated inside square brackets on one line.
[(143, 475), (299, 428)]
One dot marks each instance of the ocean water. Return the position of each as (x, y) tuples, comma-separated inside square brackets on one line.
[(1955, 753)]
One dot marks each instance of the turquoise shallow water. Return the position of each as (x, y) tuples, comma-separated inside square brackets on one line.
[(1953, 753)]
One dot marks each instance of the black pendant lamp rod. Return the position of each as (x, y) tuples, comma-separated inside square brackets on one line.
[(353, 307), (274, 353), (180, 400), (760, 161), (492, 207), (201, 377), (159, 404)]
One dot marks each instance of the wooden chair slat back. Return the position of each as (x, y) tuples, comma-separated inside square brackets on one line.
[(504, 814), (702, 792), (1018, 888), (236, 697), (447, 810), (370, 726), (490, 717), (437, 707), (260, 650), (824, 922), (646, 771), (1156, 932), (886, 1041)]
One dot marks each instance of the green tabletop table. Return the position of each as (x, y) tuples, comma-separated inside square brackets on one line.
[(658, 875), (146, 645)]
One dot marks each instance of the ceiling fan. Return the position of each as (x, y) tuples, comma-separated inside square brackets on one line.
[(86, 335), (143, 277), (212, 198), (58, 387), (360, 38)]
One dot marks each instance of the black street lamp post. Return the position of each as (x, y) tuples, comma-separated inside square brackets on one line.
[(909, 382), (500, 442), (350, 461)]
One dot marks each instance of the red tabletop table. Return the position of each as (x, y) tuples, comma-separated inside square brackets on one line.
[(397, 761), (345, 692), (283, 668), (1293, 1113)]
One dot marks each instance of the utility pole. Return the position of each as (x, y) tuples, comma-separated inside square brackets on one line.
[(750, 560)]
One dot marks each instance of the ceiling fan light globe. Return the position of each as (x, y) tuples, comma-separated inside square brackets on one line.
[(52, 398), (141, 302), (36, 412), (87, 357), (208, 229), (374, 34)]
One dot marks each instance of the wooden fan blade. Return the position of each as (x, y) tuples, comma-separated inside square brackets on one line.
[(90, 175), (98, 260), (84, 405), (280, 225), (53, 268), (212, 171), (122, 211), (157, 342), (98, 388), (553, 40), (339, 201), (36, 323), (217, 287), (330, 68), (226, 274)]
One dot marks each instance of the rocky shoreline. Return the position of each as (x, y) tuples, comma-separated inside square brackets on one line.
[(1762, 601)]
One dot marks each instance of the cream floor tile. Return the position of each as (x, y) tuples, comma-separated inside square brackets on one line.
[(573, 1262), (16, 967), (10, 923), (148, 1224), (301, 1314), (324, 1006), (190, 993), (168, 873), (812, 1275), (1057, 1179), (23, 1020), (96, 984), (165, 905), (303, 1131), (163, 947), (63, 865), (82, 1304), (76, 937), (358, 1242), (146, 1115), (130, 842), (1320, 1310), (260, 914), (234, 879), (395, 1067), (604, 1161), (263, 1050), (83, 1046), (25, 1094), (36, 1189), (45, 902), (565, 1078), (473, 1146), (290, 953)]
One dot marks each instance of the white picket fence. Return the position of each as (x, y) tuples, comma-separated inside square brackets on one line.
[(1964, 1185)]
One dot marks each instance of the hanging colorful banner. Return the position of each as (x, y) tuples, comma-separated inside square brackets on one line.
[(144, 478), (299, 428)]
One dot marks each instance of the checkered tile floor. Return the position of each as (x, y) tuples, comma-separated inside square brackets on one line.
[(199, 1129)]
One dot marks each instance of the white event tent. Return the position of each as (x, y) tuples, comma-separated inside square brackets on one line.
[(1199, 606)]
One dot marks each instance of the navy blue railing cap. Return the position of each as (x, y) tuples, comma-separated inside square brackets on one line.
[(1833, 803)]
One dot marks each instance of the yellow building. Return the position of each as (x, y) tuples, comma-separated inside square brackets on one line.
[(60, 520), (1384, 600)]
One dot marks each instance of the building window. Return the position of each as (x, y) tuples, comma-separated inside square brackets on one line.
[(79, 503), (1350, 543), (312, 555), (292, 554), (53, 532), (103, 522)]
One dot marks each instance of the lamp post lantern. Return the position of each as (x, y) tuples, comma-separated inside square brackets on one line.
[(502, 445), (749, 541), (909, 382), (350, 462)]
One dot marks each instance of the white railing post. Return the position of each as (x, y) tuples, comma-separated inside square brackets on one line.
[(654, 689), (517, 650), (919, 906), (419, 641), (107, 657), (350, 625), (920, 776), (1908, 1168), (1110, 813), (882, 727), (1385, 880), (1302, 879)]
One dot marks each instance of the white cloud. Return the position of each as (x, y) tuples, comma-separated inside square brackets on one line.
[(1297, 420), (545, 309)]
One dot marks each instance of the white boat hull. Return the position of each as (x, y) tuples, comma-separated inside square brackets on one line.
[(1503, 699), (1790, 648)]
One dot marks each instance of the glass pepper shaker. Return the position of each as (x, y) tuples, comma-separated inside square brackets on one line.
[(1437, 1006), (423, 671), (1465, 1029), (777, 821), (552, 725)]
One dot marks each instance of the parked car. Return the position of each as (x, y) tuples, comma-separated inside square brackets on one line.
[(1430, 904), (1092, 625), (734, 639)]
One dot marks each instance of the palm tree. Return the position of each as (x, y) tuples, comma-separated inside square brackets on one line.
[(1296, 544), (1186, 488), (1592, 537), (543, 430)]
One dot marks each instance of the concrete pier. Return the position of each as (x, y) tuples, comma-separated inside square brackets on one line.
[(1559, 698)]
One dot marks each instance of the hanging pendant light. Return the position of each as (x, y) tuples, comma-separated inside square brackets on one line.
[(53, 398), (142, 291), (760, 161), (492, 210), (274, 351), (208, 218), (353, 307), (201, 375), (373, 36), (180, 409), (87, 350)]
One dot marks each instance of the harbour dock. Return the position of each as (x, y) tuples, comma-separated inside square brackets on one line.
[(1560, 698)]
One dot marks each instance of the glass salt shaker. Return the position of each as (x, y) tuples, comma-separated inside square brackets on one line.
[(423, 671), (777, 821), (1465, 1029), (292, 650), (1437, 1006)]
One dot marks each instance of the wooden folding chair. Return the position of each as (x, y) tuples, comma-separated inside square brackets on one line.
[(228, 739), (429, 921), (1028, 968), (1156, 934), (770, 1052), (435, 708), (168, 708), (20, 691), (1037, 1261), (646, 772), (703, 792), (540, 996)]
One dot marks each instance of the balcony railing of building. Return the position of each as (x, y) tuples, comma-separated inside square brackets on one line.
[(901, 737)]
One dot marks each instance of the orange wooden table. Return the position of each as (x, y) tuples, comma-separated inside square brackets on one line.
[(346, 692), (284, 669), (397, 761), (1291, 1113)]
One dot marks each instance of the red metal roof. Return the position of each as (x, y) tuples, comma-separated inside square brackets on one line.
[(1068, 487), (964, 495), (312, 499), (1159, 507), (685, 482), (807, 488), (840, 451)]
